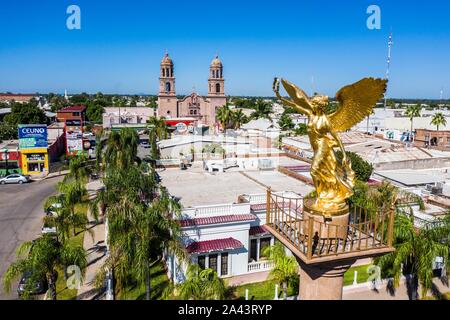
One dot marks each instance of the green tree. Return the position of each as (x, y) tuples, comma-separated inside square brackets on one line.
[(363, 169), (224, 116), (238, 118), (201, 285), (301, 130), (42, 258), (416, 250), (121, 149), (438, 119), (263, 109), (285, 268), (413, 111), (160, 127), (286, 122), (8, 131), (26, 113), (72, 193)]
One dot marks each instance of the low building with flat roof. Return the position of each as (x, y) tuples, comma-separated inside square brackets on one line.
[(223, 218)]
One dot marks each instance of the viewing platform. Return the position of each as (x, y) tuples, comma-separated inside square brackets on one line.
[(316, 239)]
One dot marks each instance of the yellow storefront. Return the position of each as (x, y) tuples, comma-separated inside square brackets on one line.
[(34, 161)]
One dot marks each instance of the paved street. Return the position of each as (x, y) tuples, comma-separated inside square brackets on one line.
[(21, 216)]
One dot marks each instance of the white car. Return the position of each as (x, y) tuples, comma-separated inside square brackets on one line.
[(15, 178)]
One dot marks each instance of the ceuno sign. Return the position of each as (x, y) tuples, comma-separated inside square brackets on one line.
[(33, 130), (32, 136)]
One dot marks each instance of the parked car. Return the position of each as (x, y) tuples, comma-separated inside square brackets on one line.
[(40, 287), (94, 176), (15, 178), (145, 144)]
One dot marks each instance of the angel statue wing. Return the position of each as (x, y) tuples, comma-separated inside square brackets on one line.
[(356, 102)]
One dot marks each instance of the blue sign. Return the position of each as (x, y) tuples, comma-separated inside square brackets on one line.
[(32, 136)]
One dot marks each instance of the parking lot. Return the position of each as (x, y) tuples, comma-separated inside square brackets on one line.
[(21, 216)]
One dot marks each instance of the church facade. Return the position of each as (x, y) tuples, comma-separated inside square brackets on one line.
[(201, 108)]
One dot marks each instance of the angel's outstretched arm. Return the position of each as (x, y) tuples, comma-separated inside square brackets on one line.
[(276, 89)]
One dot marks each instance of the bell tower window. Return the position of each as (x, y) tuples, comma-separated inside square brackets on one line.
[(167, 86), (217, 87)]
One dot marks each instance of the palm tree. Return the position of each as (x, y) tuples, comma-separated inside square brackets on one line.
[(141, 223), (438, 119), (121, 149), (78, 170), (238, 118), (224, 116), (99, 145), (285, 267), (201, 285), (417, 250), (263, 109), (413, 111), (42, 258), (71, 194), (160, 127)]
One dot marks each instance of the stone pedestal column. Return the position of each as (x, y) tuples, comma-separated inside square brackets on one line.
[(322, 281)]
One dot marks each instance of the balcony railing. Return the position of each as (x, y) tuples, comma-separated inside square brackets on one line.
[(262, 265), (313, 241)]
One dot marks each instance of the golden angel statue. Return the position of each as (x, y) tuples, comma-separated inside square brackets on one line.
[(333, 181)]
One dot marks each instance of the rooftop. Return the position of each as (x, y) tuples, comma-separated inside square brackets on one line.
[(80, 108), (196, 186)]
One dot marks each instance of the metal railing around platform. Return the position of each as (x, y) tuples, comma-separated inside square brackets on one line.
[(312, 239)]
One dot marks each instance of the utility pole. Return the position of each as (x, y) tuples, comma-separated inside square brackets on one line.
[(388, 65)]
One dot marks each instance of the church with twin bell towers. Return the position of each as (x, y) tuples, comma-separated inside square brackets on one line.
[(201, 108)]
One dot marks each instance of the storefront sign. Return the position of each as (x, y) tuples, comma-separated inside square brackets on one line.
[(36, 157), (181, 127), (32, 136)]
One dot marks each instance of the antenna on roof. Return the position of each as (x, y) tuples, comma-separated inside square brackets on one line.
[(388, 65)]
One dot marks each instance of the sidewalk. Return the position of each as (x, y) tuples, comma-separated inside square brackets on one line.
[(40, 177), (363, 291), (96, 248)]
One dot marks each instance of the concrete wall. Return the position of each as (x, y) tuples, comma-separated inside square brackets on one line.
[(413, 164)]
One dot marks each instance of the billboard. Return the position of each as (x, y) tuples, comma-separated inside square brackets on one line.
[(74, 137), (32, 136)]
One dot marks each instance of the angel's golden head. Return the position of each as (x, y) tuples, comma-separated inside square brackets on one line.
[(319, 102)]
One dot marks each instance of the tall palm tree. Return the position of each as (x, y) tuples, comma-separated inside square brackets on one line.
[(99, 145), (78, 170), (263, 109), (224, 116), (121, 149), (141, 223), (160, 127), (42, 258), (438, 119), (201, 285), (413, 111), (417, 250), (71, 194), (285, 267), (238, 118)]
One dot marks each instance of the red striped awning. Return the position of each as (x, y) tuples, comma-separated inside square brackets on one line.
[(217, 219), (258, 231), (214, 245)]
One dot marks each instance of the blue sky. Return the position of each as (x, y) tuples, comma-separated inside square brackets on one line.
[(121, 43)]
